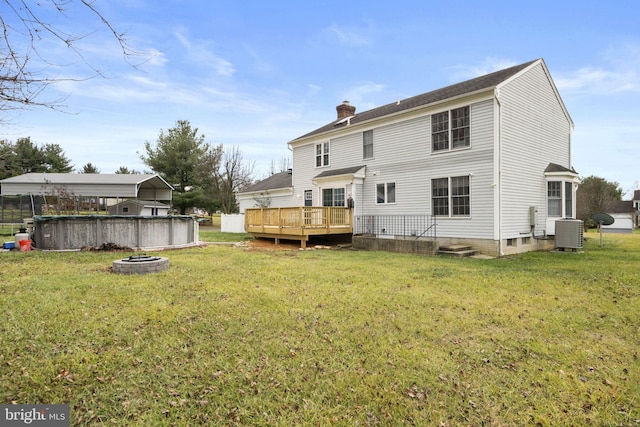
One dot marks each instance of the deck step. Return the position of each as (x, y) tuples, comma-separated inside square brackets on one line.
[(460, 251)]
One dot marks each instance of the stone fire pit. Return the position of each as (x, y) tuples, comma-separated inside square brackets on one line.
[(140, 264)]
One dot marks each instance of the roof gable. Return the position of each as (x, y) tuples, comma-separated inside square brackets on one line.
[(621, 206), (484, 82), (275, 181)]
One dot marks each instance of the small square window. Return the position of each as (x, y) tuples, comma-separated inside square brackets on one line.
[(386, 193)]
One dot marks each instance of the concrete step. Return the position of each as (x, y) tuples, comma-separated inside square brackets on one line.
[(457, 253), (454, 248)]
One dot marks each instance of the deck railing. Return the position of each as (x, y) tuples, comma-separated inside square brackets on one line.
[(406, 226), (298, 220)]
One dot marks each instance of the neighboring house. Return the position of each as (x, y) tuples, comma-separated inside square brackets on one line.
[(272, 192), (624, 214), (636, 207), (488, 158), (139, 208)]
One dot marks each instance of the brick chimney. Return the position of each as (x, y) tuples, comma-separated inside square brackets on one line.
[(345, 110)]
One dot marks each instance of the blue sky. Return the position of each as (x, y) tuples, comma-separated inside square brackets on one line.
[(257, 74)]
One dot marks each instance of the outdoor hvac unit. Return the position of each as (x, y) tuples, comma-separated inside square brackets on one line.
[(569, 234)]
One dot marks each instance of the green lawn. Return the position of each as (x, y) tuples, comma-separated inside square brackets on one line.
[(327, 337)]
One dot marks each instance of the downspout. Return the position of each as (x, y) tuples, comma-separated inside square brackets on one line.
[(499, 167)]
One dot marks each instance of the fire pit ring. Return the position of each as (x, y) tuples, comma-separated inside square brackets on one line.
[(140, 264)]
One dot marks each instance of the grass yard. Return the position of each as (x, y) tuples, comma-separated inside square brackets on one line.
[(228, 336)]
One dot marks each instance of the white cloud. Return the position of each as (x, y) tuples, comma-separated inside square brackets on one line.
[(349, 37), (619, 74), (364, 91), (199, 52), (488, 65)]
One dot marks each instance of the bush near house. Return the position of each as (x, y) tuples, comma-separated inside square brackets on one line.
[(326, 337)]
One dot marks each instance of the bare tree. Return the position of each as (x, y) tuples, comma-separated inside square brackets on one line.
[(283, 165), (26, 25), (233, 175)]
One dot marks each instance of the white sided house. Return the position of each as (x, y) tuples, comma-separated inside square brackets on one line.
[(273, 192), (487, 162)]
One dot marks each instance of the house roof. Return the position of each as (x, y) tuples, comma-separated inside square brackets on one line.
[(557, 168), (338, 172), (143, 203), (148, 186), (479, 83), (621, 206), (636, 195), (87, 178), (275, 181)]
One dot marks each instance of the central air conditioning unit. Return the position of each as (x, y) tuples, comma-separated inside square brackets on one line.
[(569, 234)]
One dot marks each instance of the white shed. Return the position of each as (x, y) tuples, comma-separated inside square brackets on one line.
[(623, 214), (139, 208)]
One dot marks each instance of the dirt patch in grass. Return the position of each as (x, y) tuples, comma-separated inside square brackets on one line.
[(328, 242)]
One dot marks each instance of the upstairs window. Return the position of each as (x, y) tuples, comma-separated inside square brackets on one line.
[(386, 193), (367, 144), (450, 130), (322, 154)]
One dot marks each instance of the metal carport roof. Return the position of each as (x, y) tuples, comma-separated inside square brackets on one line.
[(138, 186)]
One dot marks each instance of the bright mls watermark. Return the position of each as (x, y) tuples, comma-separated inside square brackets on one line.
[(34, 415)]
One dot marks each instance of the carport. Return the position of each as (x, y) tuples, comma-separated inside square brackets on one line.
[(88, 189)]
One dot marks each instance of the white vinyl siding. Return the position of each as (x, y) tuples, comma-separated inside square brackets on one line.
[(403, 156), (535, 132)]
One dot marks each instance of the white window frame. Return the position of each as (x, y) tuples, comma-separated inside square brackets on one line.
[(388, 194), (337, 196), (308, 195), (451, 197), (367, 144), (322, 151), (562, 197), (452, 128)]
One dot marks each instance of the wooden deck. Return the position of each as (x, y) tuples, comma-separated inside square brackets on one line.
[(297, 223)]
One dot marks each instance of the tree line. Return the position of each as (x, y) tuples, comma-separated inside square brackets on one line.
[(203, 175)]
